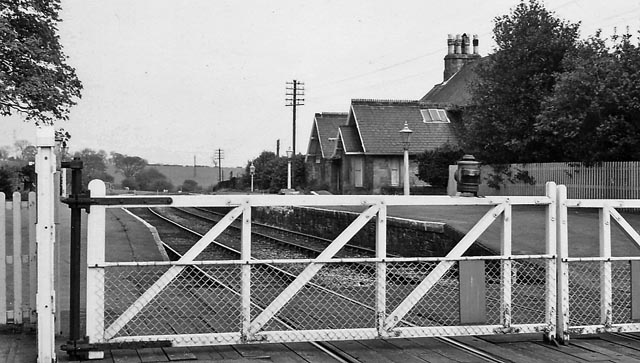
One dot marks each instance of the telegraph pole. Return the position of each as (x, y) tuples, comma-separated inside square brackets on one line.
[(278, 148), (294, 90), (219, 155)]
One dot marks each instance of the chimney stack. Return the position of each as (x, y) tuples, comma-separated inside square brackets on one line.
[(459, 53)]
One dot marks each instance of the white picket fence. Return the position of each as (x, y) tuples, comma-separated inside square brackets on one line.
[(607, 180), (18, 280)]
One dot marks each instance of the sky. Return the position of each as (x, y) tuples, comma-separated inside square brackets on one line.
[(174, 80)]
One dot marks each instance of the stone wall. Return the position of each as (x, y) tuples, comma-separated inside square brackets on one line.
[(409, 238)]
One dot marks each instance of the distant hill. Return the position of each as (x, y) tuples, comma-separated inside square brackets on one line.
[(205, 176)]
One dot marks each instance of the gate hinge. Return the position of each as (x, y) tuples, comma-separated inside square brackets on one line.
[(507, 330)]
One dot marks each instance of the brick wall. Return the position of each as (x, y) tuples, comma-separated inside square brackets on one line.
[(405, 237)]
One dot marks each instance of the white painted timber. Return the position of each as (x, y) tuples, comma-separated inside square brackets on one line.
[(17, 260), (45, 237)]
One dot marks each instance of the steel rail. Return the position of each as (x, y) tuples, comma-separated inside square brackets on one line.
[(295, 233)]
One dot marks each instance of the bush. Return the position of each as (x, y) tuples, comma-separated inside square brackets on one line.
[(6, 182), (433, 165), (189, 186)]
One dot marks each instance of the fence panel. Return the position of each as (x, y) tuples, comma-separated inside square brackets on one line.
[(17, 270), (606, 180)]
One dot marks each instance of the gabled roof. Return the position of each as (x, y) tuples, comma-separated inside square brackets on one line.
[(378, 124), (324, 133), (350, 139), (454, 92)]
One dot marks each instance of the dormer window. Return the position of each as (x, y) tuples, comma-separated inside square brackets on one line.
[(433, 115)]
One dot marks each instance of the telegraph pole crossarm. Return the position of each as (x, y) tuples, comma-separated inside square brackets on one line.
[(295, 89)]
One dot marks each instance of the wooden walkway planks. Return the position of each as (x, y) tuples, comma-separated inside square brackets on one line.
[(19, 348)]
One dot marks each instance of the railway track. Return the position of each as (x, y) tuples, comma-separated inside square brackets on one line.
[(311, 246), (224, 250)]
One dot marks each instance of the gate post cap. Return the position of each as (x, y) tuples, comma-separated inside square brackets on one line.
[(45, 136)]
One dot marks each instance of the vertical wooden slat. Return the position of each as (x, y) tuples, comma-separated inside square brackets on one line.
[(3, 260), (635, 290), (473, 306), (506, 251), (57, 270), (17, 259), (33, 277), (562, 267), (245, 252), (605, 267), (381, 269), (551, 249)]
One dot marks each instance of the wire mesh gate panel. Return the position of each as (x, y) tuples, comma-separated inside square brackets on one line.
[(195, 301), (599, 293)]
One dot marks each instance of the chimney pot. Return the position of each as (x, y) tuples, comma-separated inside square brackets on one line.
[(465, 44), (475, 44), (458, 44), (450, 44)]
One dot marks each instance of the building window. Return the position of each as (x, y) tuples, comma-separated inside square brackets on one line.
[(433, 115), (318, 158), (395, 172), (357, 172)]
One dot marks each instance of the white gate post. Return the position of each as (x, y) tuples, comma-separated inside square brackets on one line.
[(45, 237), (551, 249), (381, 270), (506, 272), (606, 313), (245, 272), (562, 325), (95, 271)]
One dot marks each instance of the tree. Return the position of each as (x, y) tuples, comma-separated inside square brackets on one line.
[(433, 165), (20, 145), (264, 170), (152, 179), (271, 172), (129, 166), (25, 150), (27, 175), (513, 82), (594, 112), (189, 186), (29, 153), (35, 81), (299, 171), (6, 182), (4, 152), (94, 166)]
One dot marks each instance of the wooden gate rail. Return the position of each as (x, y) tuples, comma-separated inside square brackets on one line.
[(252, 327), (624, 314)]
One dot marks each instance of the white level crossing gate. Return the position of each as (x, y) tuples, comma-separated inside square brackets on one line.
[(199, 301), (598, 293)]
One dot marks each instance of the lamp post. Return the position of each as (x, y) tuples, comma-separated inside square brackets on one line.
[(252, 171), (289, 155), (405, 134)]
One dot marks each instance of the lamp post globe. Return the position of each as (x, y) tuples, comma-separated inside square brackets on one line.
[(252, 171), (405, 135)]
